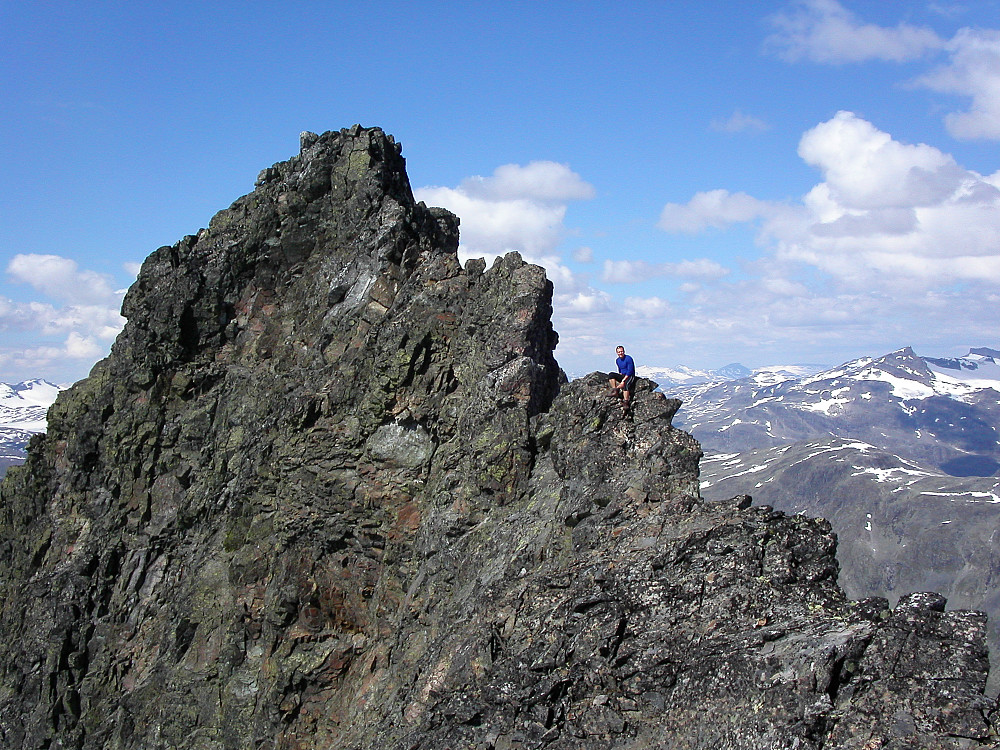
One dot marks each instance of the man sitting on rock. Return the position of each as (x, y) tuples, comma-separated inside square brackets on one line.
[(624, 379)]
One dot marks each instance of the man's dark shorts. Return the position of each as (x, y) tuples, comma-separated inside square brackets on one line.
[(618, 377)]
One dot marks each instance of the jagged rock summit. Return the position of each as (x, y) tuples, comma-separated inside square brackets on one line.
[(331, 490)]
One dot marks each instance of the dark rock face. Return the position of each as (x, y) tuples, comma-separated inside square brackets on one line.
[(331, 490)]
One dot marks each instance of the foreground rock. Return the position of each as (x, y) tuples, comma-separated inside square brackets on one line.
[(331, 490)]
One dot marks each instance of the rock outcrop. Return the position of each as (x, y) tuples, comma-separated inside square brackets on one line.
[(331, 490)]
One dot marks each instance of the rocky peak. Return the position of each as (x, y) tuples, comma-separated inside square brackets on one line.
[(331, 489)]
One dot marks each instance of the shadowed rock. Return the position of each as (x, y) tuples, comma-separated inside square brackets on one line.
[(331, 489)]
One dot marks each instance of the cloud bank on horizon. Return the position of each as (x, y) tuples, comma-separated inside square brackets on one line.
[(894, 243)]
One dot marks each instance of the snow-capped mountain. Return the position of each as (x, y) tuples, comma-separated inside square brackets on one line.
[(680, 375), (671, 377), (901, 527), (901, 453), (22, 414), (945, 416)]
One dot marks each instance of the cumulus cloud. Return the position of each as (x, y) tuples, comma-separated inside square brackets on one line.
[(973, 71), (646, 308), (82, 347), (885, 212), (829, 326), (493, 227), (60, 278), (523, 208), (885, 207), (132, 268), (864, 168), (90, 303), (544, 181), (520, 208), (714, 208), (895, 242), (823, 31), (632, 271), (588, 301), (59, 361), (76, 326)]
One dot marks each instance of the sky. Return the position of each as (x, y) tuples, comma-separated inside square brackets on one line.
[(705, 182)]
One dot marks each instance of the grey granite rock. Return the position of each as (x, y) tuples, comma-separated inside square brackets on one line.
[(331, 489)]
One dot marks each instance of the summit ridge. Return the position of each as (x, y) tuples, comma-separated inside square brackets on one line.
[(331, 489)]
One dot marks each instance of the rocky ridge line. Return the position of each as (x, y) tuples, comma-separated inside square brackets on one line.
[(331, 489)]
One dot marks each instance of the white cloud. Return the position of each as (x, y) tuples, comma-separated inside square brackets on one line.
[(46, 359), (828, 326), (589, 301), (781, 287), (44, 319), (625, 271), (823, 31), (523, 208), (973, 71), (519, 208), (490, 227), (45, 338), (896, 242), (132, 269), (647, 308), (60, 278), (885, 213), (701, 268), (632, 271), (82, 347), (545, 181), (739, 122), (714, 208), (865, 168), (888, 211)]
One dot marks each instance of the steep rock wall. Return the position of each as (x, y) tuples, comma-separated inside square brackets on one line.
[(330, 489)]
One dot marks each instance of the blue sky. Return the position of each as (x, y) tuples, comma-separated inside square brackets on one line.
[(706, 182)]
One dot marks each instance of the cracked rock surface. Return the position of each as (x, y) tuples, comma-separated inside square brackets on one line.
[(331, 490)]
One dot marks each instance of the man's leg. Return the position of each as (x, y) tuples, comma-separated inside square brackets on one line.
[(613, 384), (627, 396)]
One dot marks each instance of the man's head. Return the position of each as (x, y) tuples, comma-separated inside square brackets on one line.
[(620, 351)]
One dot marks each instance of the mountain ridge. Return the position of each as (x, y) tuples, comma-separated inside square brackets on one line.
[(331, 489), (899, 452), (896, 401)]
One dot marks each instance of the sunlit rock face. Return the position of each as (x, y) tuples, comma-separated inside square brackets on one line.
[(331, 489)]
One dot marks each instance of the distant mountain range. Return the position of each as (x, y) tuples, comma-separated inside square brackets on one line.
[(22, 414), (901, 453), (671, 377), (941, 413)]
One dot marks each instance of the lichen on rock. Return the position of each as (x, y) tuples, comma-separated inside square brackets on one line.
[(331, 489)]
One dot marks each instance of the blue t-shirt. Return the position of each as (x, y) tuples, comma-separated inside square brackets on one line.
[(626, 366)]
